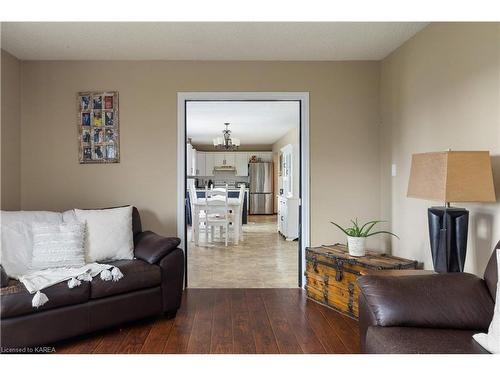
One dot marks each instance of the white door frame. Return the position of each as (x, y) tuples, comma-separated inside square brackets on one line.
[(303, 97)]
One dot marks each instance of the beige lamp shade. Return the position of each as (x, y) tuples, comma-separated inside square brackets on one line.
[(452, 176)]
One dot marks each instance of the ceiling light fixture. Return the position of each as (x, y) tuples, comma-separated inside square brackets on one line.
[(226, 142)]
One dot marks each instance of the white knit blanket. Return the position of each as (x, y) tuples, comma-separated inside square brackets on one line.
[(35, 281)]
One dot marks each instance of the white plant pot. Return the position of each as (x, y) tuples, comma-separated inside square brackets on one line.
[(356, 246)]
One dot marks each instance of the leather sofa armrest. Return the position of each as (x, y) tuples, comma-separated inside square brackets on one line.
[(452, 300), (151, 247), (366, 320), (172, 274), (4, 278)]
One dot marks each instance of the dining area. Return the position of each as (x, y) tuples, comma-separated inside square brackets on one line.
[(224, 252), (216, 214)]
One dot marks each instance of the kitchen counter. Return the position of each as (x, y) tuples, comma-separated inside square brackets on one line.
[(229, 189)]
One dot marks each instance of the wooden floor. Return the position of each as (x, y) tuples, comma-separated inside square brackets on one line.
[(231, 321)]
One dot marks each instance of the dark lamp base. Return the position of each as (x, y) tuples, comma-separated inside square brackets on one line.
[(448, 227)]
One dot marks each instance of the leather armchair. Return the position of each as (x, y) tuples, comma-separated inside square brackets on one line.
[(435, 313)]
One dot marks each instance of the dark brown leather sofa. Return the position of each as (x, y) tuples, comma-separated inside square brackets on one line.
[(152, 285), (435, 313)]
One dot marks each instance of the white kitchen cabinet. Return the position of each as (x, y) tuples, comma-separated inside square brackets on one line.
[(209, 163), (219, 159), (288, 217), (241, 163), (237, 159), (190, 160), (224, 159), (193, 162), (265, 156), (200, 163), (229, 158)]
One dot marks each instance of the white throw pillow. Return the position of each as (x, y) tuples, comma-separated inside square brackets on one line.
[(108, 233), (491, 340), (16, 249), (58, 245)]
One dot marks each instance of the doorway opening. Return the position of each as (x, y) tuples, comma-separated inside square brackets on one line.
[(244, 188)]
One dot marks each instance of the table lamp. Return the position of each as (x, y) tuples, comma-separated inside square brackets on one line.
[(450, 176)]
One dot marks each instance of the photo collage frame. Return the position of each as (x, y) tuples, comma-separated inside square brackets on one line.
[(98, 127)]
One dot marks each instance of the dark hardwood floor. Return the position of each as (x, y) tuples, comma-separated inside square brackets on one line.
[(231, 321)]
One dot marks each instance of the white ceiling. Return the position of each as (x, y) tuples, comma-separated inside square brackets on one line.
[(205, 40), (254, 123)]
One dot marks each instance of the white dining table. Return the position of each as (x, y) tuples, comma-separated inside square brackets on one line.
[(232, 203)]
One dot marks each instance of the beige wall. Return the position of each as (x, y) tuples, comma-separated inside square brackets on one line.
[(10, 133), (440, 90), (344, 117)]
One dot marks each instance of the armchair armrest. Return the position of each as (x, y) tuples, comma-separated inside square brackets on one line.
[(452, 300), (151, 247), (4, 278)]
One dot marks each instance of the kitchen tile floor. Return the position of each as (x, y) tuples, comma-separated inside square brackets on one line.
[(262, 259)]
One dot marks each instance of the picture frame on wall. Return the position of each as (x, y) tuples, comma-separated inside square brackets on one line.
[(98, 127)]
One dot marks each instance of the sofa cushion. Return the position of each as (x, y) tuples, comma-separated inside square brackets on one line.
[(137, 274), (410, 340), (15, 300)]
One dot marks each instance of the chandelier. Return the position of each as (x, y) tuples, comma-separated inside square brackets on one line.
[(226, 142)]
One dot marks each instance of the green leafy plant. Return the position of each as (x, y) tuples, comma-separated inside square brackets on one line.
[(357, 230)]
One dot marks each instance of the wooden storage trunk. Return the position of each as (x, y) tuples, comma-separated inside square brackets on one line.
[(331, 274)]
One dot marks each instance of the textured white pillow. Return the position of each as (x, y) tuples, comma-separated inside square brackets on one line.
[(58, 245), (109, 233), (491, 340), (16, 249)]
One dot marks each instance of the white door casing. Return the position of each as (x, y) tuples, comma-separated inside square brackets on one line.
[(303, 98)]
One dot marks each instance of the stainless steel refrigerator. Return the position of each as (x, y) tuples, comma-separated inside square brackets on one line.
[(261, 188)]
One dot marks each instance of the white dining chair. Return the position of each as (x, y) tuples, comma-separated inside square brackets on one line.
[(241, 201), (193, 198), (217, 215)]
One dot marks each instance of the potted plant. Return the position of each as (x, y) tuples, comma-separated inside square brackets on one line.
[(356, 236)]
